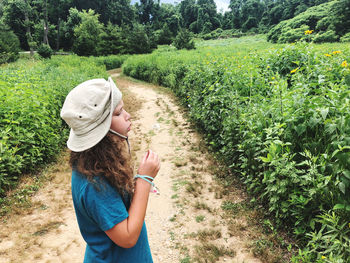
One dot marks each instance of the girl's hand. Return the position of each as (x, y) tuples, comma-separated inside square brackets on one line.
[(150, 164)]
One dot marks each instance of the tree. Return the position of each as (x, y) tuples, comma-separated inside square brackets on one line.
[(87, 34), (118, 12), (9, 45), (340, 16), (207, 19), (165, 36), (138, 41), (236, 8), (145, 11), (189, 12), (111, 40), (58, 11), (73, 20), (184, 40), (19, 15)]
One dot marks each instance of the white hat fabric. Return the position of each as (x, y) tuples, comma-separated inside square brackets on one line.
[(88, 110)]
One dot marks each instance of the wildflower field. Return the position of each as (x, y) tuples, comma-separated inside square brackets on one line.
[(279, 117)]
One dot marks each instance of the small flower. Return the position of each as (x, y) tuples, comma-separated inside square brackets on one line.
[(323, 257), (344, 64), (273, 78), (336, 52), (327, 55), (268, 66), (294, 70), (308, 32)]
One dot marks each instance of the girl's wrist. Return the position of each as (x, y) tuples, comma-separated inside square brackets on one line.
[(145, 179)]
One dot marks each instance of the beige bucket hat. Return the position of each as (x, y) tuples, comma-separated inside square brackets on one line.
[(88, 110)]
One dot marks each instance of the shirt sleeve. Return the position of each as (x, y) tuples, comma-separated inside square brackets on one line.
[(104, 205)]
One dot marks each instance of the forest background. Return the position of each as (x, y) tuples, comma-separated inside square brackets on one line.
[(85, 27)]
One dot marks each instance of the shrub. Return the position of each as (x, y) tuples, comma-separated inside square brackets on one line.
[(280, 120), (164, 35), (45, 51), (31, 96), (9, 45), (138, 40), (345, 38), (314, 18), (328, 36), (111, 62), (184, 40)]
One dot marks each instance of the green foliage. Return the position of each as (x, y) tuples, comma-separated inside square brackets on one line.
[(111, 41), (328, 36), (164, 36), (184, 40), (87, 35), (45, 51), (279, 117), (219, 33), (138, 41), (68, 26), (331, 243), (9, 45), (315, 18), (31, 96), (111, 62), (345, 38)]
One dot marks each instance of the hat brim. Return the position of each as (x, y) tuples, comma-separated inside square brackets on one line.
[(79, 143)]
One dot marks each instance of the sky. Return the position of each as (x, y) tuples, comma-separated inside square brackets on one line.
[(220, 4)]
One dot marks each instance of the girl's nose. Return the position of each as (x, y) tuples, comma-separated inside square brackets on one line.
[(128, 116)]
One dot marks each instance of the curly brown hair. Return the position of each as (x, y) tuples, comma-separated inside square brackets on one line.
[(109, 159)]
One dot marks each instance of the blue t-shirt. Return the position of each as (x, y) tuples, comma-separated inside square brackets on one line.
[(100, 209)]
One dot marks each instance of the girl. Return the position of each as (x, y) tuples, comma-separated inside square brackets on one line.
[(110, 205)]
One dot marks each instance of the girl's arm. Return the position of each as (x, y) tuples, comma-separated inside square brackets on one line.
[(126, 233)]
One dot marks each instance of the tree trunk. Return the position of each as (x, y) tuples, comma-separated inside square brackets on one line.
[(46, 24), (27, 23), (58, 34)]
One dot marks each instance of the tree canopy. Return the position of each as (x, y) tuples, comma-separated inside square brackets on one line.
[(60, 23)]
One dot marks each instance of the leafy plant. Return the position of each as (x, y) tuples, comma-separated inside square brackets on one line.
[(45, 51), (277, 115), (184, 40), (9, 45), (31, 96)]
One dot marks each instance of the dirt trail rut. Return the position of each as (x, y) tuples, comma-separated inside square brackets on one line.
[(185, 222)]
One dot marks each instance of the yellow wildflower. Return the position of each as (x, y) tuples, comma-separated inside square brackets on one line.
[(273, 78), (323, 257), (336, 52), (344, 64), (268, 66), (294, 70), (308, 32), (327, 55)]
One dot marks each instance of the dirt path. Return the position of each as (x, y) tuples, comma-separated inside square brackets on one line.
[(186, 222)]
